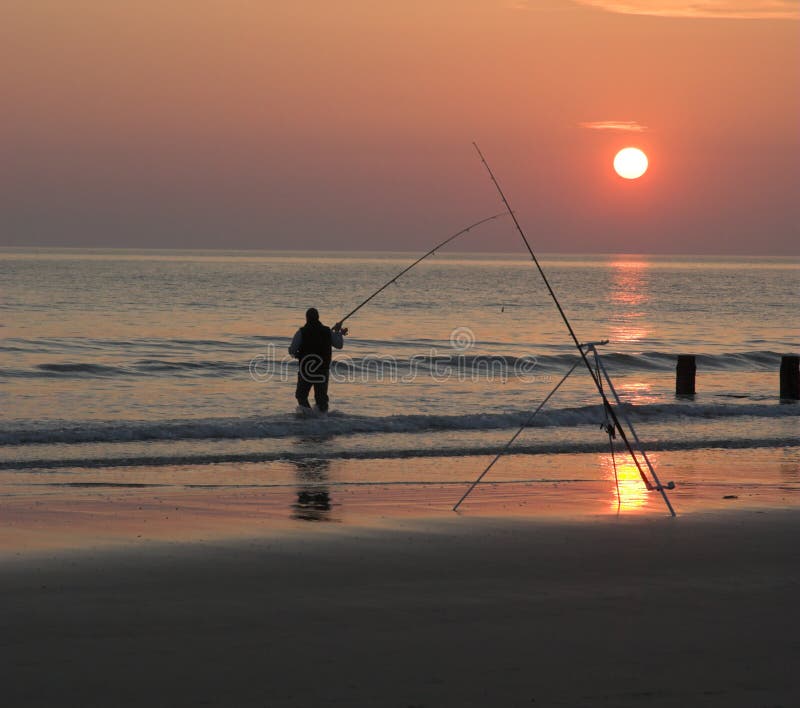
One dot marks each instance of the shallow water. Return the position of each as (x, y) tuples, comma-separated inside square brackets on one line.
[(155, 365)]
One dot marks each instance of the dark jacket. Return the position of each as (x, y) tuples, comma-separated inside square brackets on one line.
[(315, 342)]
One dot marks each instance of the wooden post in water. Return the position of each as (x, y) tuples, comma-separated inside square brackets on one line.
[(685, 375), (790, 377)]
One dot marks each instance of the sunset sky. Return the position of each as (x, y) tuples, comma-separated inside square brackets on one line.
[(348, 124)]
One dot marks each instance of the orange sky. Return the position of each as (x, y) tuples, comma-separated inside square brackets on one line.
[(348, 124)]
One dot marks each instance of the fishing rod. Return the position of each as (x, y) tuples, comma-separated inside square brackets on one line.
[(419, 260), (579, 347)]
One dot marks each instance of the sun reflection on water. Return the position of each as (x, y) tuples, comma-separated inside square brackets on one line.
[(629, 295), (637, 392), (633, 494)]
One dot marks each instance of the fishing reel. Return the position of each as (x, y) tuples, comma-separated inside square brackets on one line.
[(609, 429)]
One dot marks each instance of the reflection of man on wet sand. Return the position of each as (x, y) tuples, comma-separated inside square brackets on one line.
[(313, 500)]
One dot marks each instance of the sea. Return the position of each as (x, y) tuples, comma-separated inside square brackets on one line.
[(168, 370)]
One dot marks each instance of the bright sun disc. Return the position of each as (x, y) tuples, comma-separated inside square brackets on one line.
[(630, 163)]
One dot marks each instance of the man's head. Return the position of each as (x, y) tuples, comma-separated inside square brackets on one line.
[(312, 315)]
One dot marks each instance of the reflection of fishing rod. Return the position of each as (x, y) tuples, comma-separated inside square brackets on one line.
[(595, 377), (416, 262)]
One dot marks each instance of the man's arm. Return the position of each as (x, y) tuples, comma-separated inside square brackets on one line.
[(337, 339), (297, 340)]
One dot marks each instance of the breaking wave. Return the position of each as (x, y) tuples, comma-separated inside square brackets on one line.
[(337, 423), (553, 448), (194, 365)]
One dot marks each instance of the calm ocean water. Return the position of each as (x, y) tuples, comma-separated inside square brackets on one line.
[(129, 367)]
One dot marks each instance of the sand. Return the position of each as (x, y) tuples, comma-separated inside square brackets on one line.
[(470, 611)]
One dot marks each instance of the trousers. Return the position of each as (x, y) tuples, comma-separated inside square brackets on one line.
[(320, 384)]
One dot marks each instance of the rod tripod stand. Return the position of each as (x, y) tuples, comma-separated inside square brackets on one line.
[(597, 372), (615, 417)]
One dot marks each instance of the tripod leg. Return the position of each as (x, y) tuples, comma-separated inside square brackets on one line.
[(515, 436)]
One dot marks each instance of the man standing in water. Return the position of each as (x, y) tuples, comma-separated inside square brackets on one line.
[(311, 345)]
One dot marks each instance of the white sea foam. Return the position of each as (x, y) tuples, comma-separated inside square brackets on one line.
[(554, 448), (337, 424)]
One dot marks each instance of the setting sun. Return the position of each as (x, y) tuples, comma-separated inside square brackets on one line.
[(630, 163)]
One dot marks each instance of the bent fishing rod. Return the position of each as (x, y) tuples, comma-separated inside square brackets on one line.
[(419, 260), (597, 382)]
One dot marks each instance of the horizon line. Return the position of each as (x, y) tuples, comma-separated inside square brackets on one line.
[(523, 254)]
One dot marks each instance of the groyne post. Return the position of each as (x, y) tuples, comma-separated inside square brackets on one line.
[(790, 377), (685, 375)]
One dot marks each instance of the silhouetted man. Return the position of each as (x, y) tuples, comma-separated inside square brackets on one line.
[(312, 344)]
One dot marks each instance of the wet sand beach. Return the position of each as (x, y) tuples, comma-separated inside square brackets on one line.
[(467, 611)]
